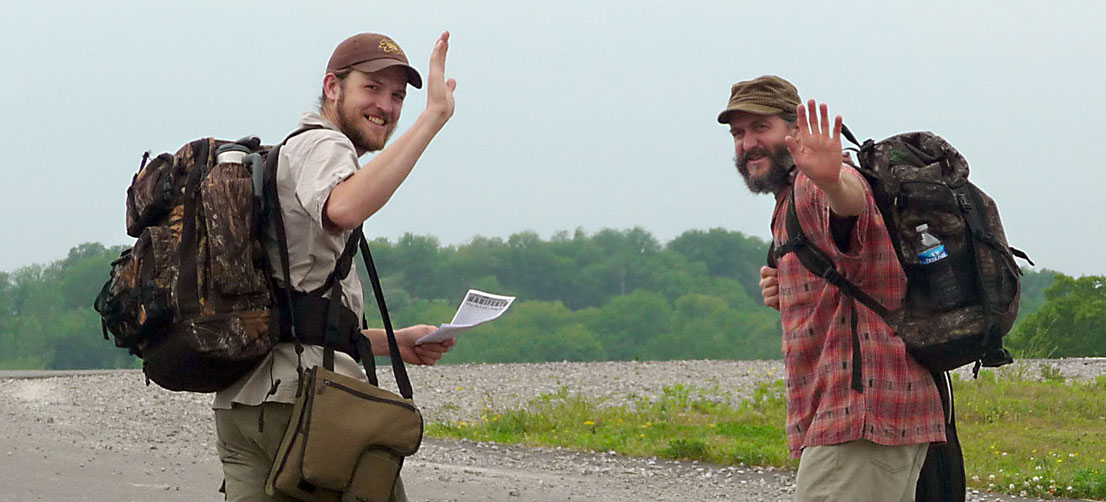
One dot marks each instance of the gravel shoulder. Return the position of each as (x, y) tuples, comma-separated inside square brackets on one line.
[(106, 436)]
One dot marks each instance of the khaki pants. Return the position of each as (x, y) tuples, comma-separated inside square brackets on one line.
[(859, 470), (248, 455)]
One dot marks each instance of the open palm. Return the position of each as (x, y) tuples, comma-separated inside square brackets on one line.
[(439, 90), (817, 149)]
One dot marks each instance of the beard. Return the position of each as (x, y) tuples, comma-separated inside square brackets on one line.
[(775, 178), (347, 118)]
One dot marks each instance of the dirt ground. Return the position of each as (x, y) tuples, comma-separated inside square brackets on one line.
[(67, 437)]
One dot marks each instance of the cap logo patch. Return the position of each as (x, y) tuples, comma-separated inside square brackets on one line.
[(389, 46)]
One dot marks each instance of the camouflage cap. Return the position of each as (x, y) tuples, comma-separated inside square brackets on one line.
[(764, 95), (369, 52)]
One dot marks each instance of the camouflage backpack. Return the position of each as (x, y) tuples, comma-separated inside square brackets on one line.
[(957, 308), (191, 298), (194, 297)]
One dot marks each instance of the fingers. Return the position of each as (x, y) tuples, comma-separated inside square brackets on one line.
[(794, 146), (439, 90), (427, 353), (437, 56), (430, 353), (769, 283), (767, 271), (801, 121), (812, 118), (435, 347), (823, 121), (769, 287)]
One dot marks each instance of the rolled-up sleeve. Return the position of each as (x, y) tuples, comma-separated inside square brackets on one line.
[(325, 164)]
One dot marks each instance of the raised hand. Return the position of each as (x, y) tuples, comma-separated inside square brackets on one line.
[(439, 91), (817, 149)]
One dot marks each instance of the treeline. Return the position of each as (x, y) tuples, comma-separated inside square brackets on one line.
[(611, 295), (1070, 322), (46, 316)]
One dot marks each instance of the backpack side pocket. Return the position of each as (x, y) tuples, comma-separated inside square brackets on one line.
[(150, 196), (233, 250)]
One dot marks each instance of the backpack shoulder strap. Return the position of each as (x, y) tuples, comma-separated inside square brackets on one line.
[(272, 212), (819, 263)]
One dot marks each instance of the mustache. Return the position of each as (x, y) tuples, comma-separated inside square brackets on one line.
[(758, 151)]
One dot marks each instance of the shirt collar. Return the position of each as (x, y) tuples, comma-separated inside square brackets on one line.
[(316, 119)]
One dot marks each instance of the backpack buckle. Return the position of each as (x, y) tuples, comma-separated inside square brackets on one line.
[(831, 275), (965, 204)]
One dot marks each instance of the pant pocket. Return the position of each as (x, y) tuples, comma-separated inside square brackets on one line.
[(892, 460)]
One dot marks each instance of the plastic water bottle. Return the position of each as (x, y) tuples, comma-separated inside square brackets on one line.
[(942, 285), (934, 250)]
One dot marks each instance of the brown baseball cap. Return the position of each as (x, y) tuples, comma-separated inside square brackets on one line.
[(764, 95), (369, 52)]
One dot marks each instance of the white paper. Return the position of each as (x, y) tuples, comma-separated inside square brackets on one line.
[(477, 308)]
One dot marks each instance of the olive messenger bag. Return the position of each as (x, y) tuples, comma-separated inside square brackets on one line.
[(347, 438)]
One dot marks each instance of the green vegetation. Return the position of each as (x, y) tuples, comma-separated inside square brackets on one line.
[(612, 295), (1070, 323), (1035, 438), (1020, 436), (46, 316), (682, 423)]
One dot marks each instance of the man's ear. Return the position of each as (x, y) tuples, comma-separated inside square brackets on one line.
[(332, 87)]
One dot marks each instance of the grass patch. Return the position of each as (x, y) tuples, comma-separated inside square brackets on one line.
[(1020, 436), (1034, 438), (675, 425)]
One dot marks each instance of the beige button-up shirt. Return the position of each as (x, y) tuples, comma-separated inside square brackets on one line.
[(310, 166)]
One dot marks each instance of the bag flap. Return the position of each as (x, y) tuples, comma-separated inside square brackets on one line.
[(347, 417)]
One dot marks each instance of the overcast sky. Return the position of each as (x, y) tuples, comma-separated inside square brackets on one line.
[(569, 114)]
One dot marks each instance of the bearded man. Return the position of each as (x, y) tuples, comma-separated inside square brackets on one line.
[(861, 412), (324, 194)]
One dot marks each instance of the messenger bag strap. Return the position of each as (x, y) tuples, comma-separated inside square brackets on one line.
[(400, 371), (365, 353)]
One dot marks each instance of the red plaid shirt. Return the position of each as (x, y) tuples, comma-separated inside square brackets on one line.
[(898, 403)]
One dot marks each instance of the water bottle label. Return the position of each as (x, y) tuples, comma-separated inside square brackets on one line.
[(932, 254)]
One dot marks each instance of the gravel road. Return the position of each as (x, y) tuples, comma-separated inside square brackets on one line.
[(106, 436)]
